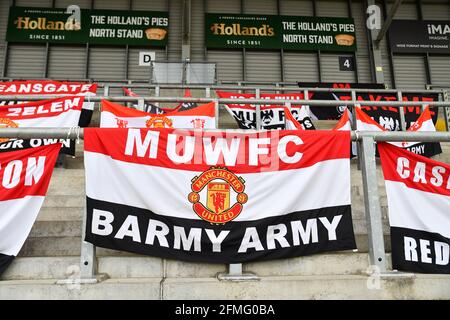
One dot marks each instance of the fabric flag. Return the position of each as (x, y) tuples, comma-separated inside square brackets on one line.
[(152, 108), (117, 116), (24, 176), (418, 194), (423, 124), (272, 116), (344, 122), (44, 87), (56, 113), (291, 123), (219, 197)]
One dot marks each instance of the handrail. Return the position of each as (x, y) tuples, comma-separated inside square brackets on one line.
[(324, 103), (250, 86), (70, 133)]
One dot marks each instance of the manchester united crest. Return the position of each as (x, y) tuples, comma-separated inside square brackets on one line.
[(7, 123), (218, 195), (159, 121)]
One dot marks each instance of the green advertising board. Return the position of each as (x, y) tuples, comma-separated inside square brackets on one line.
[(279, 32), (109, 27)]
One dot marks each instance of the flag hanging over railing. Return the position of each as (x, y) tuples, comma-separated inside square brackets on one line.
[(114, 115), (224, 197), (24, 179), (418, 194)]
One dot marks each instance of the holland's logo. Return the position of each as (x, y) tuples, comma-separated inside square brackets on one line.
[(7, 123), (221, 186)]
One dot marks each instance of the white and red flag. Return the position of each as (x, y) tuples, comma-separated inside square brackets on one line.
[(418, 194), (24, 179), (222, 196), (272, 116), (56, 113), (114, 115), (423, 124)]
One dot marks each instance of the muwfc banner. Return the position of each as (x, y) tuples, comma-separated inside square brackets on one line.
[(219, 197), (272, 116), (56, 113), (24, 179), (418, 194), (44, 87)]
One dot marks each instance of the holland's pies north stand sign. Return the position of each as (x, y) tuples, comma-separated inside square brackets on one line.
[(108, 27), (279, 32)]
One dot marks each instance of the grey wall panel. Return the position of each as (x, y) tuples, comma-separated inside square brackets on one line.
[(360, 25), (229, 64), (175, 34), (409, 72), (326, 8), (300, 66), (260, 7), (296, 7), (229, 6), (436, 11), (363, 64), (136, 72), (66, 62), (197, 31), (83, 4), (107, 63), (440, 70), (407, 10), (112, 5), (34, 3), (387, 72), (330, 69), (4, 12), (2, 54), (146, 5), (263, 66), (26, 61)]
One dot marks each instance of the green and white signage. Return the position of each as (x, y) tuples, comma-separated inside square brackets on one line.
[(280, 32), (109, 27)]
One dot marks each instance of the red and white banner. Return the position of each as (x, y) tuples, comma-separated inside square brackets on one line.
[(272, 116), (152, 108), (423, 124), (24, 179), (418, 193), (117, 116), (56, 113), (49, 87), (224, 197)]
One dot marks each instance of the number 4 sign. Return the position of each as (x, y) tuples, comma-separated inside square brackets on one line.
[(346, 64)]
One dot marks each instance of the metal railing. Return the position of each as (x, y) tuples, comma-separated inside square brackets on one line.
[(365, 142)]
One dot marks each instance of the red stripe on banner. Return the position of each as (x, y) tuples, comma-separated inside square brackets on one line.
[(31, 87), (363, 117), (27, 172), (253, 152), (207, 110), (413, 170), (41, 109)]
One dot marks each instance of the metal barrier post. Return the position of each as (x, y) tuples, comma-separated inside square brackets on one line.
[(216, 112), (401, 112), (353, 125), (372, 204), (446, 110), (157, 92)]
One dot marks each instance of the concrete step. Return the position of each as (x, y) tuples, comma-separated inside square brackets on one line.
[(346, 287), (28, 268)]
